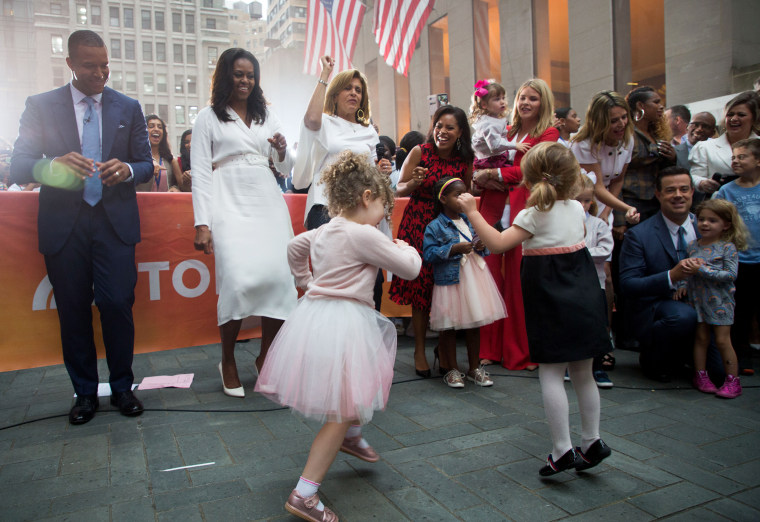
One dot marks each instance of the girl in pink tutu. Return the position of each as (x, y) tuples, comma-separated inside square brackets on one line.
[(333, 358), (465, 296)]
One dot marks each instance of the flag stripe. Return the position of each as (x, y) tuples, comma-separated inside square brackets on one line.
[(398, 40), (333, 33)]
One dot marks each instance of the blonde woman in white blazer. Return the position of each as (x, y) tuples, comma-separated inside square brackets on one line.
[(711, 157)]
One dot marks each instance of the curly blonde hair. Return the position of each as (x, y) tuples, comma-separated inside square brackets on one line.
[(551, 171), (346, 180), (737, 232), (476, 108)]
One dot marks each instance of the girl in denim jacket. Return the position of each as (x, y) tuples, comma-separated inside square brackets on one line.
[(465, 296)]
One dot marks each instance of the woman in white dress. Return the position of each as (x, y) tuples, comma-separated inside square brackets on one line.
[(240, 214), (337, 119)]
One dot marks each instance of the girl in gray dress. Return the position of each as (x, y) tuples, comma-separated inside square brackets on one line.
[(711, 290)]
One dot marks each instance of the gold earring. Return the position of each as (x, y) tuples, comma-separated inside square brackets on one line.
[(360, 115)]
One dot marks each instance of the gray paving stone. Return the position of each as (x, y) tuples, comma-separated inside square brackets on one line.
[(751, 497), (200, 448), (636, 422), (436, 434), (163, 481), (525, 473), (98, 497), (29, 470), (483, 513), (50, 488), (394, 423), (510, 498), (706, 479), (380, 476), (463, 461), (733, 510), (618, 511), (189, 513), (672, 499), (84, 454), (698, 514), (642, 470), (247, 507), (35, 452), (416, 505), (141, 509), (418, 452), (252, 469), (199, 494), (733, 451), (94, 514), (127, 464), (452, 493), (352, 498), (684, 451)]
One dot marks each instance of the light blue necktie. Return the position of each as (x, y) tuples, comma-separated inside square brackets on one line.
[(681, 250), (93, 187)]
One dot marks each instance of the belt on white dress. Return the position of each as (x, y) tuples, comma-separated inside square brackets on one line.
[(248, 158)]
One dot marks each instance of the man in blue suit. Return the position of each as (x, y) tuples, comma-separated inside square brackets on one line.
[(653, 261), (88, 145)]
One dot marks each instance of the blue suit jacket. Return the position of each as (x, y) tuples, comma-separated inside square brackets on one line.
[(646, 257), (48, 129)]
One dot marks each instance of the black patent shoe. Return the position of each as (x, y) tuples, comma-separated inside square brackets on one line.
[(566, 461), (425, 374), (595, 453), (127, 403), (84, 409)]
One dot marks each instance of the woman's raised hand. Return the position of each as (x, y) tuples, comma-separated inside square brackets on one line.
[(327, 63)]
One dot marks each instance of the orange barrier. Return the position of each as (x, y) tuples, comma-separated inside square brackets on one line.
[(175, 297)]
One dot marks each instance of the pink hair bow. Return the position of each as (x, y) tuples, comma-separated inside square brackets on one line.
[(480, 88)]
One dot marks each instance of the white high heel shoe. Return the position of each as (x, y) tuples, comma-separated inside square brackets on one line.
[(232, 392)]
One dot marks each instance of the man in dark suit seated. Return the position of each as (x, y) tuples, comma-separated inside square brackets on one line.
[(653, 261), (88, 145)]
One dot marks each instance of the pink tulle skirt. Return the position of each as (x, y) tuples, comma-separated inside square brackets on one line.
[(331, 361), (472, 303)]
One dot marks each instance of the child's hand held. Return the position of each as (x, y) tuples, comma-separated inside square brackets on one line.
[(467, 203)]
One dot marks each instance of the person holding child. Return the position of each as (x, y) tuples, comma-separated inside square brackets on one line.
[(333, 358), (503, 197), (744, 193), (465, 296), (557, 272), (711, 290), (447, 152)]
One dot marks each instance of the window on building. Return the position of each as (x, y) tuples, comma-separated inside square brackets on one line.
[(150, 109), (438, 40), (213, 54), (129, 49), (210, 23), (56, 43), (129, 18), (551, 47), (179, 83), (192, 85), (179, 114), (96, 17), (163, 111), (177, 53), (160, 51), (145, 19), (161, 82), (177, 22), (115, 79), (8, 8), (148, 86), (113, 17), (147, 51), (191, 54), (208, 3), (55, 8), (159, 18), (487, 39), (189, 23), (115, 48), (192, 113), (130, 81), (58, 80), (81, 14)]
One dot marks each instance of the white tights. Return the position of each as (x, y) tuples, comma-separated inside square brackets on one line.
[(551, 376)]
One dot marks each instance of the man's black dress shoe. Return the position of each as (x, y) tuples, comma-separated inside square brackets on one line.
[(127, 403), (84, 409)]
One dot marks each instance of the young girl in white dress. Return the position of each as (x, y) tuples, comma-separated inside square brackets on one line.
[(565, 324), (465, 296), (332, 360), (488, 117)]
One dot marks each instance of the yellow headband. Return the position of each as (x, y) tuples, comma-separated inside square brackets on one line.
[(449, 182)]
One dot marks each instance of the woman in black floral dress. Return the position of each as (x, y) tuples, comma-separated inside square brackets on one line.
[(447, 152)]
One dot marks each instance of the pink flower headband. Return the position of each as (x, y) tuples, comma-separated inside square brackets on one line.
[(480, 88)]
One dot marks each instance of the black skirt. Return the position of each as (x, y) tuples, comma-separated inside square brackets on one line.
[(565, 314)]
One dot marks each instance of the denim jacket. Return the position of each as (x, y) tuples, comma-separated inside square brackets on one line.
[(440, 236)]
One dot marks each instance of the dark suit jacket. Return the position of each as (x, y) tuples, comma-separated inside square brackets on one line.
[(48, 129), (646, 257)]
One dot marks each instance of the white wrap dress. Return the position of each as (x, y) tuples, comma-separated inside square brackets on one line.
[(236, 196)]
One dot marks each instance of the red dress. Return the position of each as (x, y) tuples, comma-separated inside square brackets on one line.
[(507, 340), (418, 213)]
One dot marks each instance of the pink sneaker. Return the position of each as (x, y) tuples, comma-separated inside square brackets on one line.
[(731, 388), (306, 508), (703, 383), (351, 446)]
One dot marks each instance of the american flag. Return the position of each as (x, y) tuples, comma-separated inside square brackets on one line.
[(398, 24), (332, 28)]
